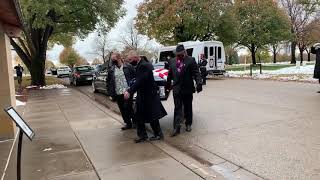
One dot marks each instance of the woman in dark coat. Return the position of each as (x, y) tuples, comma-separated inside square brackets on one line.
[(149, 106)]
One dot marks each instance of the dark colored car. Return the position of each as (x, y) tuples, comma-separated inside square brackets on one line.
[(99, 83), (81, 74), (53, 71)]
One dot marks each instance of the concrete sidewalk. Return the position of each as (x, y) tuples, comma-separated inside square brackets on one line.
[(79, 139)]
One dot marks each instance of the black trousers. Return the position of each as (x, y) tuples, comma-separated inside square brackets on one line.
[(126, 109), (142, 132), (182, 108), (204, 78)]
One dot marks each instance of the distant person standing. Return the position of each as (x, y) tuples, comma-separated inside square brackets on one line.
[(19, 70), (120, 75), (203, 69), (183, 70), (316, 50)]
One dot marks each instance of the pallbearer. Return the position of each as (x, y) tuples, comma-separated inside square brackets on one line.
[(316, 50)]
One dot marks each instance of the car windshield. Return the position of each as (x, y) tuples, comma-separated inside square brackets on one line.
[(85, 68), (63, 68), (158, 66)]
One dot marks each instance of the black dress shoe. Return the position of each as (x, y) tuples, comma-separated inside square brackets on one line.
[(126, 128), (156, 138), (140, 140), (175, 132), (188, 128)]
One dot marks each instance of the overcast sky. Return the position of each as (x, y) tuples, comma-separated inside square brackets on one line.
[(86, 47)]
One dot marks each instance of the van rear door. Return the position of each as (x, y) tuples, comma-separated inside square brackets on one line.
[(212, 61), (220, 63)]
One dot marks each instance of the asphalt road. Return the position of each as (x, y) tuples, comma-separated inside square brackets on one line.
[(269, 128)]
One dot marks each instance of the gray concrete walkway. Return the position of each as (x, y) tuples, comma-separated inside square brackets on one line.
[(78, 139)]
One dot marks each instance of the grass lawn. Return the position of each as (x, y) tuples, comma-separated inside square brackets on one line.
[(26, 81), (268, 67)]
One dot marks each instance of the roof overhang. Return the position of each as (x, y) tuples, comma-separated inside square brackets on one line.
[(10, 17)]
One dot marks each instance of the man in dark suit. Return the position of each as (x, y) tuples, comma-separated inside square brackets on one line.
[(316, 50), (148, 105), (203, 69), (183, 70)]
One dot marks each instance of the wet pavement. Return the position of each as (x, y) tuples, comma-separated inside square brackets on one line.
[(79, 139), (252, 129)]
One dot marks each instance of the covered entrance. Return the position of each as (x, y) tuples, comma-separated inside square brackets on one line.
[(9, 27)]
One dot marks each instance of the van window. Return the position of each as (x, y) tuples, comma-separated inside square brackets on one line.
[(165, 54), (215, 52), (206, 52), (190, 51), (211, 51), (219, 52)]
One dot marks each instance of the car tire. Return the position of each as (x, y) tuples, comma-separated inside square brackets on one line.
[(94, 87)]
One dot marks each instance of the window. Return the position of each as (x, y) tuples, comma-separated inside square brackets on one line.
[(84, 68), (219, 52), (164, 55), (206, 52), (215, 52), (190, 51), (211, 51)]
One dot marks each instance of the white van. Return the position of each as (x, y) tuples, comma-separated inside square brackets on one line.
[(213, 51)]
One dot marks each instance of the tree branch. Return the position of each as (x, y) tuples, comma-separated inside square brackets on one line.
[(21, 53), (24, 47)]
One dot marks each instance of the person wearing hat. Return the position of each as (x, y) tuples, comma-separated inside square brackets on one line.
[(183, 71), (316, 50)]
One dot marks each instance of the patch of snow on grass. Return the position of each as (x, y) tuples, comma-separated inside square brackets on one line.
[(54, 86), (20, 103), (301, 74), (30, 87)]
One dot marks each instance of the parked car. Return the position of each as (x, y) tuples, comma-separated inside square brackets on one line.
[(63, 71), (53, 71), (99, 83), (81, 74)]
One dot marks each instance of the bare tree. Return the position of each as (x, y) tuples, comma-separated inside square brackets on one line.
[(102, 46), (310, 36), (301, 13), (275, 49), (131, 39)]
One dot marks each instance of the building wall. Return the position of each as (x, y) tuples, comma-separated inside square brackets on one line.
[(7, 91)]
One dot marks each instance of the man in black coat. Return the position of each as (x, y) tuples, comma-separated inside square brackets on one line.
[(203, 69), (149, 107), (316, 50), (183, 70), (120, 75)]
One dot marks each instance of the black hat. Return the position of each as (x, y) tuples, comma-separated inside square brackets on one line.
[(180, 48)]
